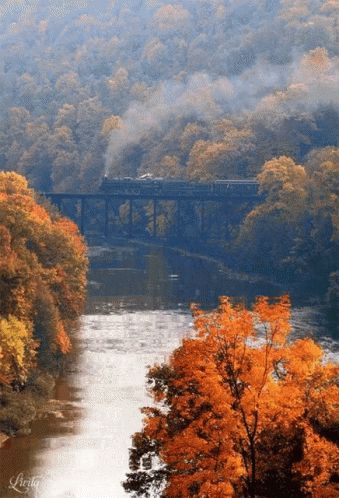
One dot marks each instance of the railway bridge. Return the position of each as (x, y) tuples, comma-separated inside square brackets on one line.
[(157, 208)]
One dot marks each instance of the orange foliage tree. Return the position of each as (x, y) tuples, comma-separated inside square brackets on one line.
[(43, 267), (240, 412)]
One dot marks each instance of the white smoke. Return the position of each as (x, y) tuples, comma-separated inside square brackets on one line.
[(199, 97), (313, 83), (271, 92)]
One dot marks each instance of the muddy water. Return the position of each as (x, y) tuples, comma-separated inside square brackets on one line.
[(136, 314)]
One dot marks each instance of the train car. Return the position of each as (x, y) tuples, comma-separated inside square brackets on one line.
[(109, 184), (147, 185), (240, 186), (126, 185)]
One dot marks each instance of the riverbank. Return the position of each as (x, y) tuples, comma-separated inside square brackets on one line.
[(306, 291), (37, 399), (19, 408), (43, 267), (97, 247)]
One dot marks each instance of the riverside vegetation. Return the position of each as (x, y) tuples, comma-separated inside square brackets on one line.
[(240, 411), (43, 266)]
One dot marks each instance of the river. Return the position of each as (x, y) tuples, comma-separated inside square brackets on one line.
[(137, 312)]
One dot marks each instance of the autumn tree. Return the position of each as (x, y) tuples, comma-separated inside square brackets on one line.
[(324, 174), (240, 411), (294, 229), (223, 157), (17, 350), (42, 278), (171, 17)]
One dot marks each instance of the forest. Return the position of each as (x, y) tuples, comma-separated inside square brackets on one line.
[(197, 89), (43, 267)]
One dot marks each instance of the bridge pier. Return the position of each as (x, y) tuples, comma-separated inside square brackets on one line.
[(58, 202)]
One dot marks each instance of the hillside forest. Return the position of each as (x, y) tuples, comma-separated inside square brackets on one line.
[(199, 89)]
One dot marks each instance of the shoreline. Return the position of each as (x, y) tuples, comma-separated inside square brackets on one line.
[(22, 408), (183, 251), (297, 287)]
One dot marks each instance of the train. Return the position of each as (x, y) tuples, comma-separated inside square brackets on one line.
[(162, 186)]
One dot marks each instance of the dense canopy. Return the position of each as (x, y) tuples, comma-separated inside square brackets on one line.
[(43, 267), (197, 88)]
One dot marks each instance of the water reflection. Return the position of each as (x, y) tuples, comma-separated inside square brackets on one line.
[(158, 278), (136, 314)]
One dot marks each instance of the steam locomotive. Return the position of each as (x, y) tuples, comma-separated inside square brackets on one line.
[(161, 186)]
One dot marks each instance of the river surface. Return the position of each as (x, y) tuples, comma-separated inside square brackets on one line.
[(137, 312)]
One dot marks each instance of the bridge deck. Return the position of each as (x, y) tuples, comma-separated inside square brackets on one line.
[(166, 190), (151, 195), (84, 206)]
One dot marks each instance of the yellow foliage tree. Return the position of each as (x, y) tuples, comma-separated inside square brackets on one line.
[(110, 124), (17, 350)]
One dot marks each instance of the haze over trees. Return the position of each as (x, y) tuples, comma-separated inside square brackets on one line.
[(198, 89), (240, 411)]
